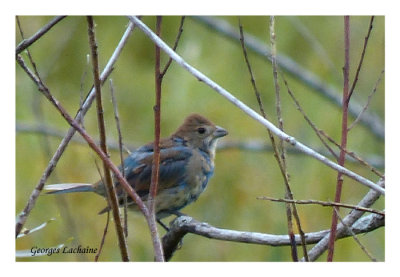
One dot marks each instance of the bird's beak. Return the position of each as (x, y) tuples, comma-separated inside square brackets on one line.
[(220, 132)]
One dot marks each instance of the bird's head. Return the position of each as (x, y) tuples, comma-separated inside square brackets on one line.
[(198, 132)]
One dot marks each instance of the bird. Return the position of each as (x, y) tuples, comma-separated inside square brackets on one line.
[(186, 166)]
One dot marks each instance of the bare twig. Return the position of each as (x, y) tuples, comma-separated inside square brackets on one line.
[(370, 198), (111, 194), (369, 120), (185, 224), (289, 139), (174, 48), (361, 59), (322, 203), (368, 101), (28, 42), (120, 146), (342, 156), (22, 217), (252, 80), (352, 154), (321, 133), (159, 255), (103, 238), (288, 191), (363, 248), (308, 120)]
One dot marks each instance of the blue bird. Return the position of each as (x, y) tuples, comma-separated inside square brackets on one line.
[(186, 166)]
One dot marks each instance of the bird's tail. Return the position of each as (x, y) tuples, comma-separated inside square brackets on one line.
[(69, 187)]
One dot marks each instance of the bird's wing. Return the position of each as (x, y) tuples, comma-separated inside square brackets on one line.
[(173, 161)]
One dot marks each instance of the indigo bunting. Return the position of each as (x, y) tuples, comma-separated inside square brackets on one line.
[(186, 165)]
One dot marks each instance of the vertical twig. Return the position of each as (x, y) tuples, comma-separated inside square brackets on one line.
[(342, 156), (103, 239), (288, 193), (159, 255), (105, 231), (103, 142), (120, 146), (280, 125)]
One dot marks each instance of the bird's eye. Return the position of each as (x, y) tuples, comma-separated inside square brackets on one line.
[(201, 130)]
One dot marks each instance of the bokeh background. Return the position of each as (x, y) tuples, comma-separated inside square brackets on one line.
[(230, 201)]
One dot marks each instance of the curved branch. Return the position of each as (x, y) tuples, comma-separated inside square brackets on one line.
[(186, 224)]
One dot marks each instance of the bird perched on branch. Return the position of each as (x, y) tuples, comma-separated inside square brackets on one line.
[(186, 165)]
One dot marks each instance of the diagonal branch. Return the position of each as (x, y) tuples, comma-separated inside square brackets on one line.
[(28, 42), (289, 139), (369, 120)]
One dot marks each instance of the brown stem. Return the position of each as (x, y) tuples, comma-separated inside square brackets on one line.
[(342, 156), (111, 194), (159, 254), (25, 43)]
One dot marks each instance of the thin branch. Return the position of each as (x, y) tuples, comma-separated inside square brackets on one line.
[(368, 200), (366, 39), (322, 203), (28, 42), (288, 191), (22, 217), (111, 194), (352, 155), (321, 133), (103, 238), (159, 255), (183, 225), (178, 37), (252, 80), (368, 101), (369, 120), (343, 144), (308, 120), (289, 139), (120, 146), (363, 248)]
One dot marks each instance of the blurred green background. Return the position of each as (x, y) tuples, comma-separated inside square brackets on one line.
[(315, 42)]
